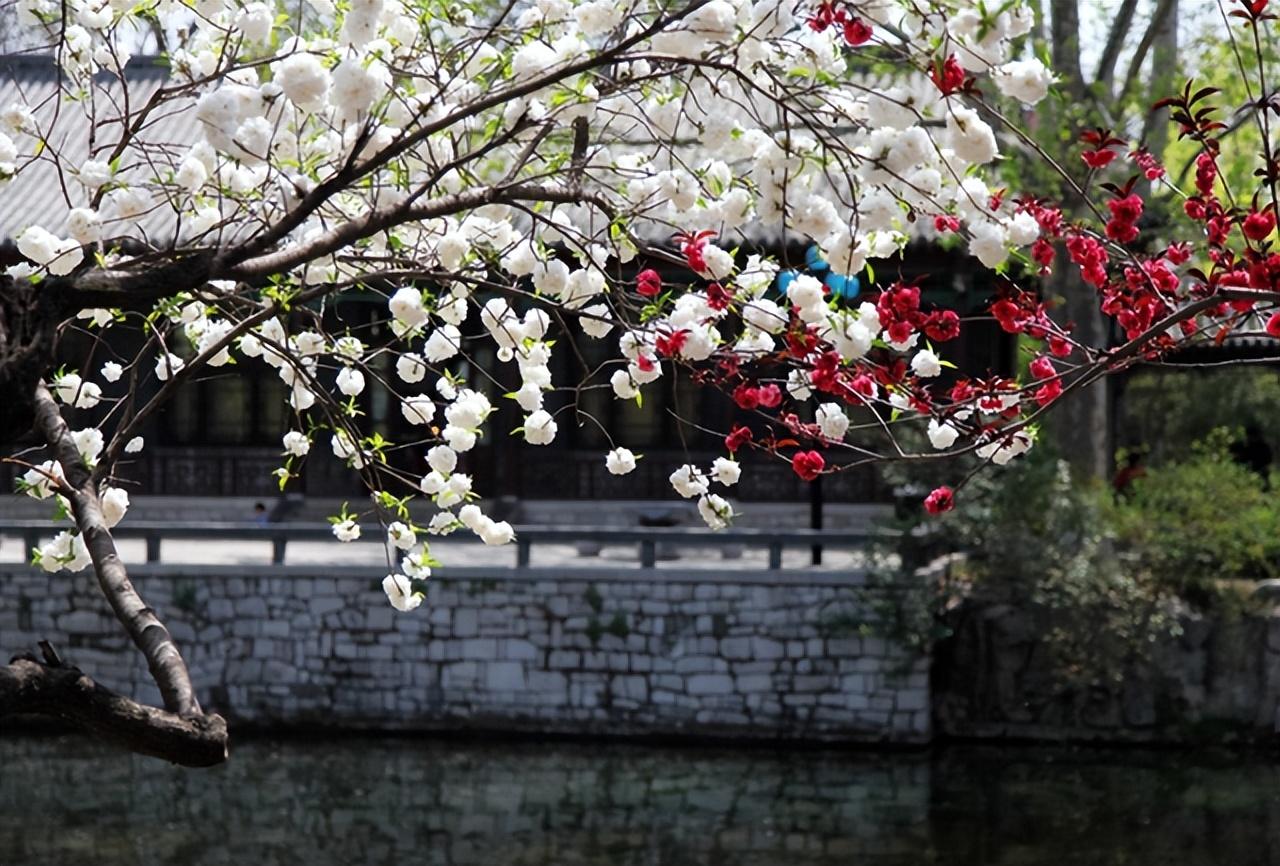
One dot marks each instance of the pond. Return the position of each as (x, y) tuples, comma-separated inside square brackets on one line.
[(359, 800)]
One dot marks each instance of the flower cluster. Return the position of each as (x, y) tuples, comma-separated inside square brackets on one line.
[(567, 172)]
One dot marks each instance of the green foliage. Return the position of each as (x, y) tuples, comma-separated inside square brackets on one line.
[(1190, 524), (1166, 412), (593, 598), (1035, 540)]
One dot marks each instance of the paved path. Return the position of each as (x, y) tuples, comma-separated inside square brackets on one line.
[(457, 553)]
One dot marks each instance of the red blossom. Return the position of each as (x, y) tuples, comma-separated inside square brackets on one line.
[(770, 396), (1048, 392), (808, 464), (1273, 325), (800, 344), (856, 32), (1126, 209), (825, 15), (863, 385), (1049, 218), (1098, 158), (1206, 174), (948, 76), (940, 501), (943, 223), (648, 283), (1042, 368), (1101, 143), (738, 437), (1178, 253), (1151, 168), (669, 346), (900, 332), (1121, 232), (942, 326), (692, 245), (718, 297), (1258, 225), (746, 397), (1042, 252)]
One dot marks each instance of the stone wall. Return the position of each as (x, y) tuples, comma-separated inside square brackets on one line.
[(1215, 679), (757, 654)]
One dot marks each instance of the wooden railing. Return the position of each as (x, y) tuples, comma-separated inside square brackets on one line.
[(647, 539)]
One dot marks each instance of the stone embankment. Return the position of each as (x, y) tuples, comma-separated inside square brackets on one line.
[(755, 654)]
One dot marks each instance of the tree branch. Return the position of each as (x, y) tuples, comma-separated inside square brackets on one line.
[(380, 219), (27, 686), (1162, 10), (1115, 41), (140, 622)]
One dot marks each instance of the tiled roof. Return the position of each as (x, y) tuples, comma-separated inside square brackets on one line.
[(1236, 348), (45, 189)]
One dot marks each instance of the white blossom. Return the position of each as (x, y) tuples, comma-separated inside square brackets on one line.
[(346, 530), (620, 461), (400, 592), (689, 481), (726, 471), (296, 443)]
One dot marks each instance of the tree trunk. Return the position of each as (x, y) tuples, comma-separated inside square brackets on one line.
[(1081, 427)]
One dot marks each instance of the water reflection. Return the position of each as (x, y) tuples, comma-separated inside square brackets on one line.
[(370, 801)]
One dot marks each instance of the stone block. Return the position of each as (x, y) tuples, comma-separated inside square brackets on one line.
[(82, 622), (275, 628), (379, 617), (480, 648), (631, 687), (564, 659), (754, 684), (696, 664), (319, 605), (767, 649), (515, 649), (504, 676), (251, 608), (710, 684), (549, 684), (465, 622), (844, 646), (918, 699)]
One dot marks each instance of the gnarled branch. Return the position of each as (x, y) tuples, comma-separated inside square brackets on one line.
[(29, 687)]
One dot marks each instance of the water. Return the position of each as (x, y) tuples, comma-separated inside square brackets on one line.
[(402, 801)]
